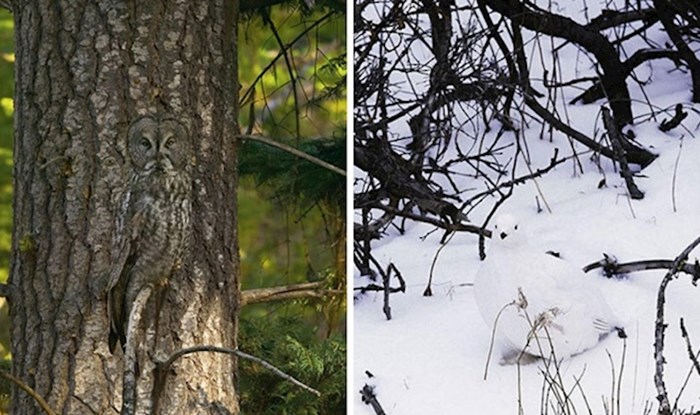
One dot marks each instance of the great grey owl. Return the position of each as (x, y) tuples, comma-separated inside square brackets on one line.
[(153, 225)]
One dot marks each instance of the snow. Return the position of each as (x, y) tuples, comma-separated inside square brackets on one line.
[(430, 358)]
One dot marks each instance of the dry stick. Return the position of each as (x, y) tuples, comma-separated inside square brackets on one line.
[(31, 392), (537, 186), (428, 292), (557, 381), (619, 150), (693, 358), (612, 388), (583, 393), (163, 367), (660, 327), (675, 171), (493, 337), (619, 380), (504, 197), (294, 151), (288, 292), (691, 355)]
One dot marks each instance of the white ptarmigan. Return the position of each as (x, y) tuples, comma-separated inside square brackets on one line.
[(545, 303)]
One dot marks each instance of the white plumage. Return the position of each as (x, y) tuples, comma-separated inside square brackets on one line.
[(545, 303)]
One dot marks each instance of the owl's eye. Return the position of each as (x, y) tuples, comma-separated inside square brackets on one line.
[(169, 144), (145, 143)]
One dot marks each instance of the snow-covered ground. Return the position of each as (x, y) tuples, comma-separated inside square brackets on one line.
[(430, 358)]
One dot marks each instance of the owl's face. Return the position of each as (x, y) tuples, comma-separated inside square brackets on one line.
[(506, 232), (158, 146)]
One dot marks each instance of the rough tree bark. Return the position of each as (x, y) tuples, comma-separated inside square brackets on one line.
[(84, 71)]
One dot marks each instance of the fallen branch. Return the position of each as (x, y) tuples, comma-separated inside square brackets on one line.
[(611, 267), (287, 292)]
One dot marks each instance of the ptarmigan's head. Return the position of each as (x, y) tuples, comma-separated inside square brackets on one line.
[(506, 231)]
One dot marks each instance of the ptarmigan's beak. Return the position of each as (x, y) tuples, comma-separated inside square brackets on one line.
[(503, 235)]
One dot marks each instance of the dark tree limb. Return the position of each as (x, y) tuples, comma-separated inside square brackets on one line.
[(369, 230), (596, 91), (401, 179), (458, 227), (613, 78), (636, 155), (553, 162), (386, 287), (612, 18), (667, 13), (660, 328), (620, 154), (375, 287), (612, 268), (386, 278)]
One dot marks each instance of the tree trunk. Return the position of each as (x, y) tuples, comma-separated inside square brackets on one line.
[(85, 70)]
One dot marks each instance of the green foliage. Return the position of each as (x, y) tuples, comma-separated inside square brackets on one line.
[(296, 180), (291, 345), (291, 211), (299, 90)]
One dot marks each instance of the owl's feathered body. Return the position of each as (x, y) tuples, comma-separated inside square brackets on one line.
[(538, 303), (154, 224)]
